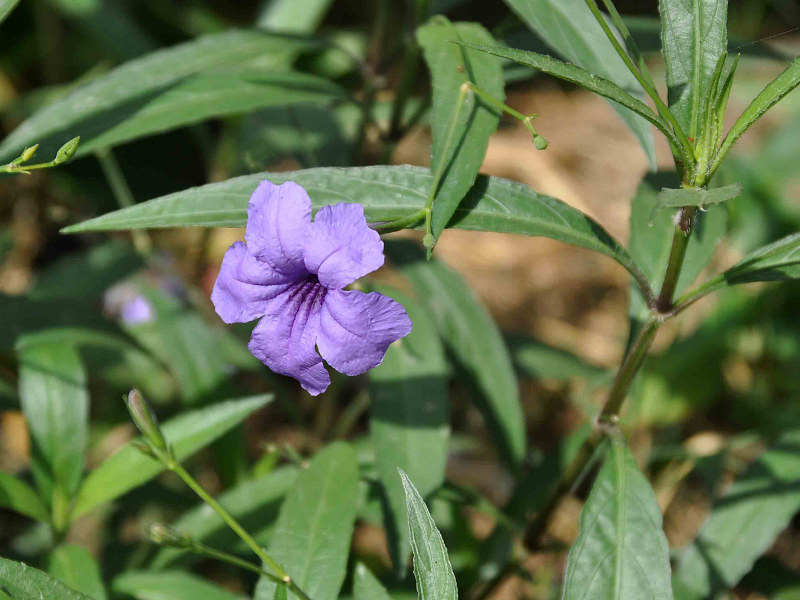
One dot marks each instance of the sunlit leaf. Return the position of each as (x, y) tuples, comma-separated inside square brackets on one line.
[(18, 496), (169, 585), (21, 582), (76, 567)]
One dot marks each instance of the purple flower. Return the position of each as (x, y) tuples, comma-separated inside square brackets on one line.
[(137, 310), (291, 274)]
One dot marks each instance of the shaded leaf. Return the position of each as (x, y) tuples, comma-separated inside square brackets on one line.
[(55, 401), (543, 362), (621, 552), (432, 570), (6, 6), (105, 105), (474, 340), (312, 536), (75, 567), (387, 193), (169, 585), (694, 36), (295, 16), (409, 420), (366, 586), (18, 496), (743, 523), (569, 28), (461, 129), (21, 582), (186, 433)]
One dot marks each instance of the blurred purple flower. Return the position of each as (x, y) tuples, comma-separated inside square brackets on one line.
[(290, 274), (137, 310)]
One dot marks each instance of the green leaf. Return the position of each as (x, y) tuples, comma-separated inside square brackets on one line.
[(169, 585), (432, 570), (312, 537), (777, 89), (366, 586), (542, 362), (17, 495), (254, 504), (293, 16), (569, 28), (677, 197), (21, 582), (474, 341), (387, 193), (281, 593), (186, 433), (55, 401), (583, 78), (138, 97), (6, 6), (462, 124), (743, 523), (409, 421), (621, 552), (693, 37), (76, 567), (651, 239)]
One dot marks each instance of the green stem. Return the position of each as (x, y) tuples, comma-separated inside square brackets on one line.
[(680, 242), (401, 223), (123, 194), (439, 169)]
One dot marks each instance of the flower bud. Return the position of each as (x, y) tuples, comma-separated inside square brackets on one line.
[(429, 241), (145, 420), (67, 150), (27, 154), (166, 536), (540, 142)]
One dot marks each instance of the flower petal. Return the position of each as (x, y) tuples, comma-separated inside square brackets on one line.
[(357, 328), (278, 220), (341, 247), (284, 339), (244, 285)]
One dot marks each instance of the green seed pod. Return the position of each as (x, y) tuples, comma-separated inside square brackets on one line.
[(145, 420), (540, 142), (27, 154), (166, 536), (67, 151), (429, 241)]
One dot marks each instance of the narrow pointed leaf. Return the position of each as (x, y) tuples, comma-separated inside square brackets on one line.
[(474, 340), (366, 586), (569, 28), (693, 36), (21, 582), (169, 585), (743, 523), (186, 433), (254, 504), (677, 197), (777, 89), (18, 496), (95, 110), (55, 401), (461, 131), (6, 6), (312, 536), (75, 567), (409, 420), (387, 193), (542, 362), (621, 552), (432, 570)]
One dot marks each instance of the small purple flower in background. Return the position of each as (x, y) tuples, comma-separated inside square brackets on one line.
[(291, 274), (136, 311)]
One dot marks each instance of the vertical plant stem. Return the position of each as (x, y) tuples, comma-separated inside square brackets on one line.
[(677, 254), (123, 195)]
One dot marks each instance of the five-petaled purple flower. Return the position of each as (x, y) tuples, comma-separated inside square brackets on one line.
[(291, 274)]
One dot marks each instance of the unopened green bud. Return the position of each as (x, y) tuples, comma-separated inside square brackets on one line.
[(540, 142), (67, 150), (27, 154), (145, 420), (429, 241), (166, 536)]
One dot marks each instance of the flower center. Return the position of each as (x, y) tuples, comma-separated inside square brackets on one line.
[(306, 295)]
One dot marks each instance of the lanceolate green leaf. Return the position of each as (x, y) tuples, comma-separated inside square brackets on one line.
[(293, 16), (569, 28), (22, 582), (585, 79), (743, 523), (409, 422), (186, 433), (693, 37), (169, 585), (366, 586), (542, 362), (778, 88), (473, 339), (105, 104), (254, 504), (432, 570), (6, 6), (18, 496), (462, 124), (312, 536), (677, 197), (621, 552), (76, 567), (54, 398), (387, 193)]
